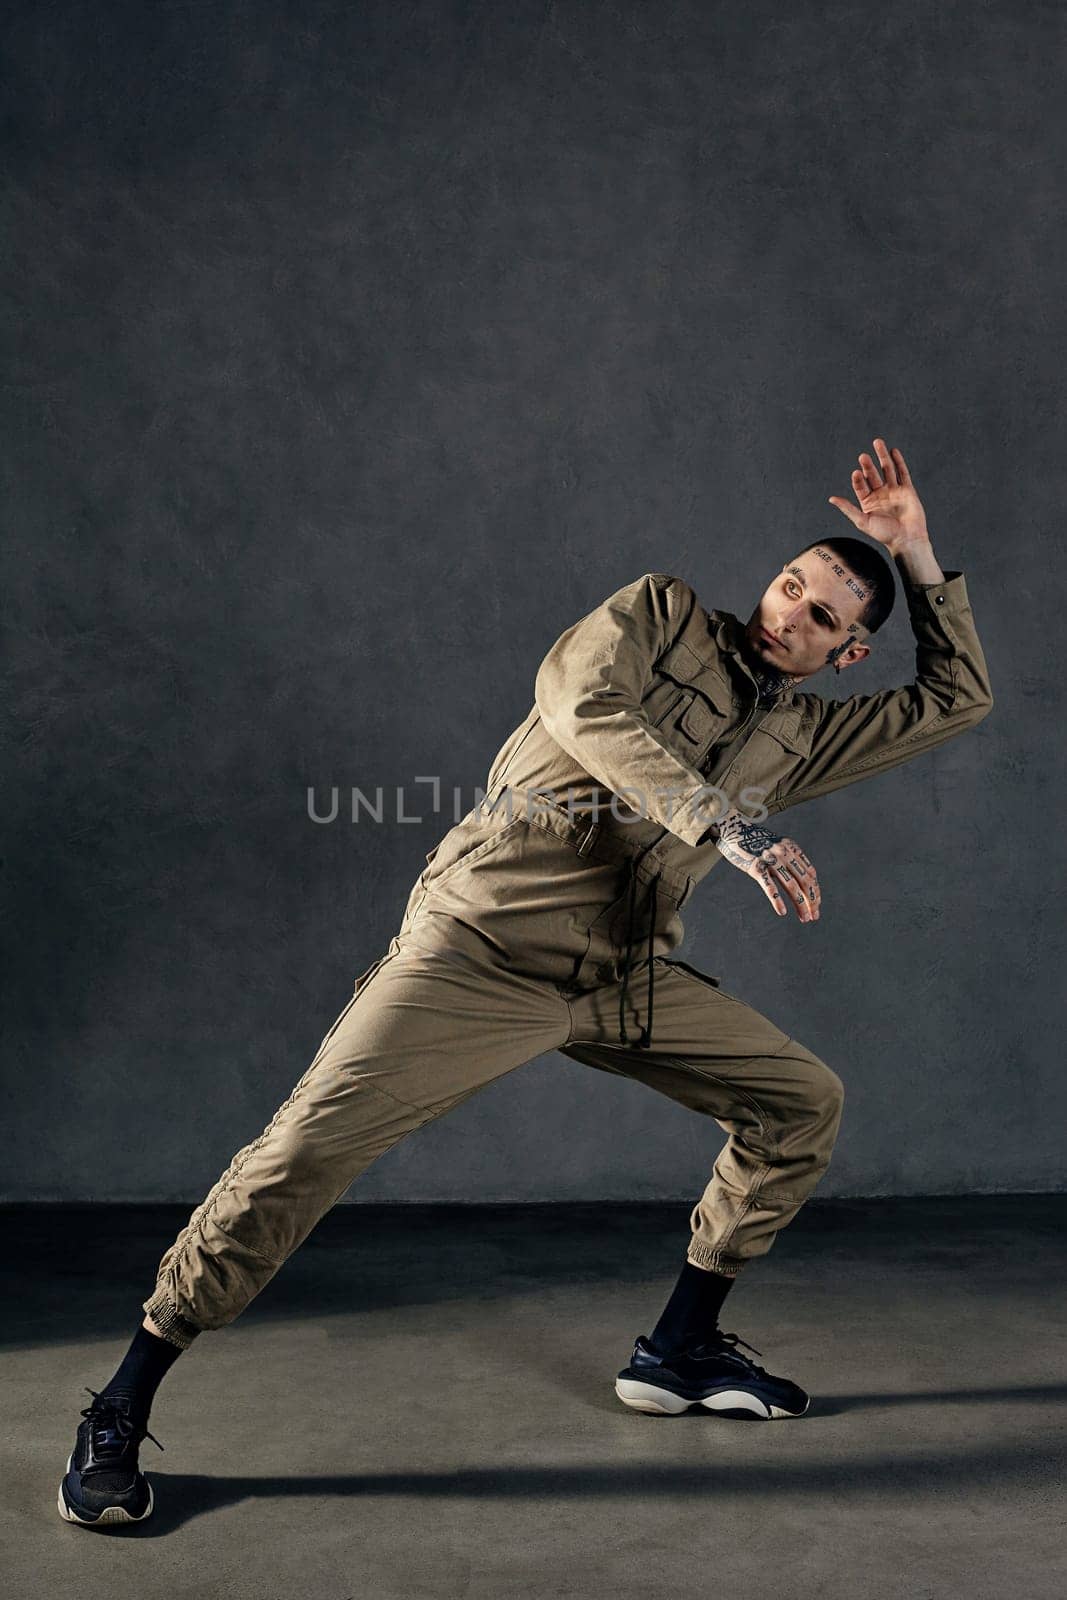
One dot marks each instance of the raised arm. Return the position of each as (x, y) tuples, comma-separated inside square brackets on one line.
[(870, 733)]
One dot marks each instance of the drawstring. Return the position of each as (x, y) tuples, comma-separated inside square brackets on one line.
[(645, 1038)]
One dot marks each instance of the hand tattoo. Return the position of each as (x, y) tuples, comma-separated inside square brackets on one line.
[(740, 842), (747, 845)]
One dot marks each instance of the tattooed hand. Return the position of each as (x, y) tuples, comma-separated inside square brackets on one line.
[(775, 864)]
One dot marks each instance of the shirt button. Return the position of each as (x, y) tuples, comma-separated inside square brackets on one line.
[(940, 599)]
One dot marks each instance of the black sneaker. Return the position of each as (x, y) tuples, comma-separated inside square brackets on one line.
[(102, 1484), (713, 1374)]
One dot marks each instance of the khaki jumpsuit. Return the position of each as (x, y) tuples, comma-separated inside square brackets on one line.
[(547, 920)]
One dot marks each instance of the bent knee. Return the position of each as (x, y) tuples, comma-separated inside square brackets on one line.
[(826, 1090), (833, 1091)]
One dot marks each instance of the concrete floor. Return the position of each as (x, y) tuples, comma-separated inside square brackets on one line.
[(421, 1404)]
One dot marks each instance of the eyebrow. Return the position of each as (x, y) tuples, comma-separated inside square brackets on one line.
[(825, 604)]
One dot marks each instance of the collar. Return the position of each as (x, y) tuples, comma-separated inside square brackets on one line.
[(729, 632)]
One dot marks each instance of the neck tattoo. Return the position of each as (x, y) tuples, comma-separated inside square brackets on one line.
[(771, 682)]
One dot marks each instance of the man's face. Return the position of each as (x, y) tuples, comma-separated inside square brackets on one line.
[(813, 609)]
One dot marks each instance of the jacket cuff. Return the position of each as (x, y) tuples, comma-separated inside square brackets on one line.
[(937, 599), (691, 820)]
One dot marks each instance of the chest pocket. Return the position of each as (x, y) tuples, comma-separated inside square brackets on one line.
[(780, 746), (688, 700)]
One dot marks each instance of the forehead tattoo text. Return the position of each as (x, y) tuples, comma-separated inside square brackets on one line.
[(850, 583)]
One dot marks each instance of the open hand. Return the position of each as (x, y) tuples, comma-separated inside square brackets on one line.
[(890, 511)]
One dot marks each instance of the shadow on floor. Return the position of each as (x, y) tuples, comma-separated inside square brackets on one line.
[(183, 1497)]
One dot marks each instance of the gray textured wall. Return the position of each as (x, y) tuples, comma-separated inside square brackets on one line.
[(353, 351)]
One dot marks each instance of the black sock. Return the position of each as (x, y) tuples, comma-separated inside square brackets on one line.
[(692, 1312), (143, 1369)]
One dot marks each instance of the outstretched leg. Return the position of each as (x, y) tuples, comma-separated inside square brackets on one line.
[(422, 1033)]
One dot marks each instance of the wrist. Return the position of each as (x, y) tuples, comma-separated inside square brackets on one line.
[(916, 562), (908, 542)]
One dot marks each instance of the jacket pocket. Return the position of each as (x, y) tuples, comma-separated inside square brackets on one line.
[(688, 698), (699, 721)]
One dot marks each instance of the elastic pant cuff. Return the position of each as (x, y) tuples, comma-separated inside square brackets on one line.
[(171, 1324), (702, 1255)]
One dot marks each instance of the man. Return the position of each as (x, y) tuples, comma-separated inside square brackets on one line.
[(661, 739)]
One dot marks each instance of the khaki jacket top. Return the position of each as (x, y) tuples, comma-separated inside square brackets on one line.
[(636, 704)]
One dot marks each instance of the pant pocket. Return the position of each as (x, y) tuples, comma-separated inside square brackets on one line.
[(360, 984), (328, 1036), (365, 977), (701, 977), (464, 846)]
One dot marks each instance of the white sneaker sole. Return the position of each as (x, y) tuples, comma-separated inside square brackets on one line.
[(107, 1518), (654, 1401)]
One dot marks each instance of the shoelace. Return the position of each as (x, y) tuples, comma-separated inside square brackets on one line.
[(645, 1037), (733, 1339), (118, 1416)]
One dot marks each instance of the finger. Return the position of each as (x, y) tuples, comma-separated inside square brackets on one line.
[(798, 892), (903, 475), (870, 471), (782, 875), (795, 895), (795, 852), (886, 461), (766, 883), (803, 870), (855, 517), (793, 858)]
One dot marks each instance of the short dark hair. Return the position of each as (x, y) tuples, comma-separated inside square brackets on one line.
[(871, 568)]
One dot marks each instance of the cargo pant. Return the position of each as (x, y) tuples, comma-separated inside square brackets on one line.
[(513, 943)]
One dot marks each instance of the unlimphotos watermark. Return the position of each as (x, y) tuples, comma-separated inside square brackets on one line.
[(628, 805)]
